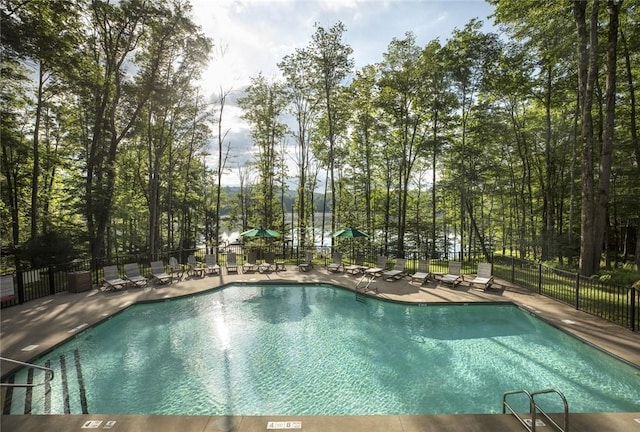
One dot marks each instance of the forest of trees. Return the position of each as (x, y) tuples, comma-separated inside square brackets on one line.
[(521, 142)]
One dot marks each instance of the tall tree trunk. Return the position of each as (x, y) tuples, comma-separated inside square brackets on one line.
[(220, 166), (331, 136), (600, 223), (476, 230), (548, 230), (635, 141), (302, 185), (587, 62), (36, 155), (154, 213), (10, 172), (434, 205)]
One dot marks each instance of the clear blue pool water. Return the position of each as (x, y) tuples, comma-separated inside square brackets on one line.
[(314, 350)]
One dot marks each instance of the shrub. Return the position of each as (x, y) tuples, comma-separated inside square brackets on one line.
[(52, 248)]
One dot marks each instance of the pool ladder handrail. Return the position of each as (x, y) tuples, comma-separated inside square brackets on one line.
[(48, 371), (534, 408)]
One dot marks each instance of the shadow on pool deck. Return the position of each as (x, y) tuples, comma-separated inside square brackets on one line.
[(44, 323)]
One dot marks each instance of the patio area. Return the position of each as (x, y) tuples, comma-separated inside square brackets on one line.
[(35, 327)]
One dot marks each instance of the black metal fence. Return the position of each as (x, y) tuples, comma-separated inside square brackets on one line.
[(618, 304), (34, 283)]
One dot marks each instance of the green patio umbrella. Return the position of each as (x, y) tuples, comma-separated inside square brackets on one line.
[(350, 232), (260, 232)]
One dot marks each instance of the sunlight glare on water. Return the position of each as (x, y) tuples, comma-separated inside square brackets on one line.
[(314, 350)]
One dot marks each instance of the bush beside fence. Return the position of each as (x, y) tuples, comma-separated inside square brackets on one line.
[(615, 303)]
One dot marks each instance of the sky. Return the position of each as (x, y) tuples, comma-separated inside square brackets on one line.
[(252, 36)]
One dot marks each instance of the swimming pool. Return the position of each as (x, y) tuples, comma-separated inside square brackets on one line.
[(314, 350)]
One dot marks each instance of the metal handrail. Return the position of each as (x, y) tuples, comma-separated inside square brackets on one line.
[(520, 419), (534, 409), (49, 373), (566, 408)]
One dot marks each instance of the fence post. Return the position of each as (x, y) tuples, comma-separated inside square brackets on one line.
[(20, 283), (578, 291), (19, 276), (94, 267), (52, 283), (539, 278), (632, 299), (513, 270)]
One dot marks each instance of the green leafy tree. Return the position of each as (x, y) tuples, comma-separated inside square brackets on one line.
[(402, 98), (439, 105), (45, 34), (365, 142), (595, 203), (15, 147), (630, 48), (304, 107), (331, 62), (470, 53), (543, 33), (130, 34), (263, 107)]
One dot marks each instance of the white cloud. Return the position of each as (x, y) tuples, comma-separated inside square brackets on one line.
[(336, 5), (252, 36)]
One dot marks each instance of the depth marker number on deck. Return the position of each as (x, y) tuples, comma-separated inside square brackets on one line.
[(285, 425), (75, 329), (30, 347), (539, 422)]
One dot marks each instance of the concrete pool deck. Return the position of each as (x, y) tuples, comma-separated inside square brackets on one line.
[(42, 324)]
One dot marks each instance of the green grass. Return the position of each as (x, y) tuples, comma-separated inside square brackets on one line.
[(604, 299)]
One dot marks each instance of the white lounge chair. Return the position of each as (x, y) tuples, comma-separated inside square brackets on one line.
[(336, 262), (232, 264), (158, 273), (251, 265), (195, 269), (112, 278), (397, 272), (211, 264), (423, 272), (483, 276), (372, 273), (132, 274), (379, 269), (357, 267), (307, 264), (175, 268), (268, 263), (280, 265), (453, 275)]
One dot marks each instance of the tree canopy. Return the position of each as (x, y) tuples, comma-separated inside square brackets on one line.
[(521, 142)]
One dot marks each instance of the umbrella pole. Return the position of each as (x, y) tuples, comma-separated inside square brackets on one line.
[(353, 258)]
